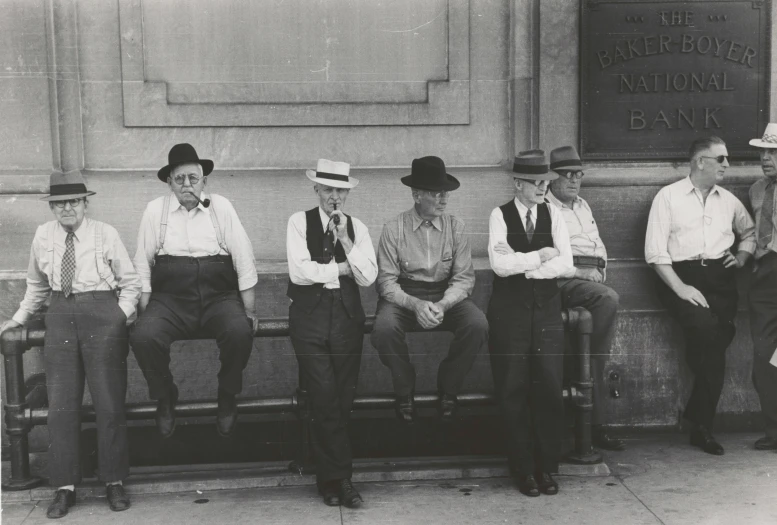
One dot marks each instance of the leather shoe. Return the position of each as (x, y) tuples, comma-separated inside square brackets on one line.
[(165, 413), (702, 438), (448, 405), (117, 498), (546, 483), (330, 490), (226, 415), (63, 500), (766, 443), (348, 495), (528, 486), (603, 441), (406, 408)]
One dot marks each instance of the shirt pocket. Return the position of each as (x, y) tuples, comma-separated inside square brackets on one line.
[(446, 263)]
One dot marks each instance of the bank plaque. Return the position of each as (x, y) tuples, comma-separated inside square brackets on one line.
[(657, 75)]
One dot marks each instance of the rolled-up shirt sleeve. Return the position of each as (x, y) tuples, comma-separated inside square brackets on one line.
[(127, 278), (389, 269), (505, 265), (658, 229), (38, 286), (302, 269), (239, 246), (361, 258), (462, 280), (744, 227)]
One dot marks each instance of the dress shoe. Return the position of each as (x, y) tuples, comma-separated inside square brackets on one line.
[(702, 438), (406, 408), (448, 406), (330, 490), (546, 483), (601, 440), (766, 443), (528, 486), (226, 415), (63, 500), (117, 498), (165, 413), (348, 495)]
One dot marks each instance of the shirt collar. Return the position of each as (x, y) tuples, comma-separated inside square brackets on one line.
[(523, 209), (418, 221), (324, 218), (688, 186), (176, 204), (78, 234), (553, 199)]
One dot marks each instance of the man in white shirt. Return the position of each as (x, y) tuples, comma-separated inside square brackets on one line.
[(82, 264), (330, 255), (690, 233), (196, 265), (528, 247), (583, 285)]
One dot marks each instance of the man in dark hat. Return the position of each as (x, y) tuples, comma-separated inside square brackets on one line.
[(528, 247), (425, 277), (82, 265), (583, 285), (197, 268), (330, 255)]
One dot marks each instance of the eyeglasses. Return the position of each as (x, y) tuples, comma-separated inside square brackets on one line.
[(437, 195), (720, 158), (569, 175), (73, 203), (180, 179)]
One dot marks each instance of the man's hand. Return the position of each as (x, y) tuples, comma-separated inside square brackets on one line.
[(143, 303), (589, 274), (692, 295), (344, 269), (426, 314), (547, 254), (738, 260), (502, 248), (7, 325), (440, 311), (254, 321), (341, 230)]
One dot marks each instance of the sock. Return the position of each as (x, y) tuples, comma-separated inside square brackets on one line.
[(71, 488), (113, 483)]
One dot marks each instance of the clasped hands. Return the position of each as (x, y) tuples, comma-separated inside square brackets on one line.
[(427, 313)]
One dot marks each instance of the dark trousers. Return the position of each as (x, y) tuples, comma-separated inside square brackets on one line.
[(602, 302), (86, 337), (527, 361), (763, 327), (328, 345), (707, 331), (470, 333)]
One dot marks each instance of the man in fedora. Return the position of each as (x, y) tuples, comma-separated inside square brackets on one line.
[(425, 277), (583, 285), (82, 265), (197, 268), (692, 227), (528, 248), (330, 255), (763, 287)]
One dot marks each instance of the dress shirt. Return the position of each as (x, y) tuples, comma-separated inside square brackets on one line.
[(756, 201), (682, 227), (44, 269), (421, 255), (529, 264), (304, 271), (581, 226), (191, 234)]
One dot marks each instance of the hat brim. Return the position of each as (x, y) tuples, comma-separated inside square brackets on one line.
[(567, 167), (207, 168), (758, 143), (451, 183), (551, 175), (54, 198), (350, 184)]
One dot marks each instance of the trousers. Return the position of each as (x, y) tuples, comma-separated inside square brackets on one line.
[(763, 327)]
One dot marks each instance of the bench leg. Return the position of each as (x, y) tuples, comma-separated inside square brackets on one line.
[(304, 463)]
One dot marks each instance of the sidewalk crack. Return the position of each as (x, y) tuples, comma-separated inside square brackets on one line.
[(659, 520)]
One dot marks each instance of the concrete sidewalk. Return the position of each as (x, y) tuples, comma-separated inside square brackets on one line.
[(659, 479)]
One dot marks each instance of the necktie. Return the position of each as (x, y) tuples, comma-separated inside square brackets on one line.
[(529, 226), (765, 225), (68, 265)]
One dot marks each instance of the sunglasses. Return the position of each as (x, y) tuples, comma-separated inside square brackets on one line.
[(437, 195), (720, 158), (73, 203), (569, 175)]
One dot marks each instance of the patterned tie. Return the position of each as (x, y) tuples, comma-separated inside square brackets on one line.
[(766, 226), (68, 265), (529, 226)]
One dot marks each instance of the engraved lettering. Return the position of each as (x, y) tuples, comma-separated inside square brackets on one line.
[(637, 115), (682, 86), (661, 117), (726, 87), (664, 41), (689, 120), (604, 58), (632, 48), (731, 50), (649, 41), (687, 44), (709, 115), (699, 45), (748, 54), (718, 45)]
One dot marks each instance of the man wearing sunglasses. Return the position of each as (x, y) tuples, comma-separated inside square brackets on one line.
[(197, 267), (584, 285), (691, 230)]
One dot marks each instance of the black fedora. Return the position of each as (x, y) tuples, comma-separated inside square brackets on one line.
[(428, 173), (183, 154)]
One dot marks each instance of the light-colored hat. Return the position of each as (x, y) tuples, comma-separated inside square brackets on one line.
[(565, 158), (532, 165), (769, 140), (334, 174), (66, 186)]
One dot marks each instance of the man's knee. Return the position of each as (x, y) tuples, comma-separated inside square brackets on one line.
[(238, 334), (387, 327), (610, 297)]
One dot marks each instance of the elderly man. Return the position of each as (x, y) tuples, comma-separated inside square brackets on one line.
[(197, 268), (763, 288), (583, 285), (528, 247), (425, 277), (691, 229), (330, 255), (82, 265)]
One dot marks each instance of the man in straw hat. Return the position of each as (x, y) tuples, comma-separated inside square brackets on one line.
[(330, 255), (763, 288), (197, 268), (528, 247), (425, 277), (82, 265), (691, 229), (583, 285)]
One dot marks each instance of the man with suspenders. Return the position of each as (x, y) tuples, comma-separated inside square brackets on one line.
[(81, 263), (196, 265)]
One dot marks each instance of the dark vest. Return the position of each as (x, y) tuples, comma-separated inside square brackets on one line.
[(308, 296), (517, 288)]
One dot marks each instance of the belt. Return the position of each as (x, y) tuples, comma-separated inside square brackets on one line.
[(86, 296), (699, 262), (584, 260)]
